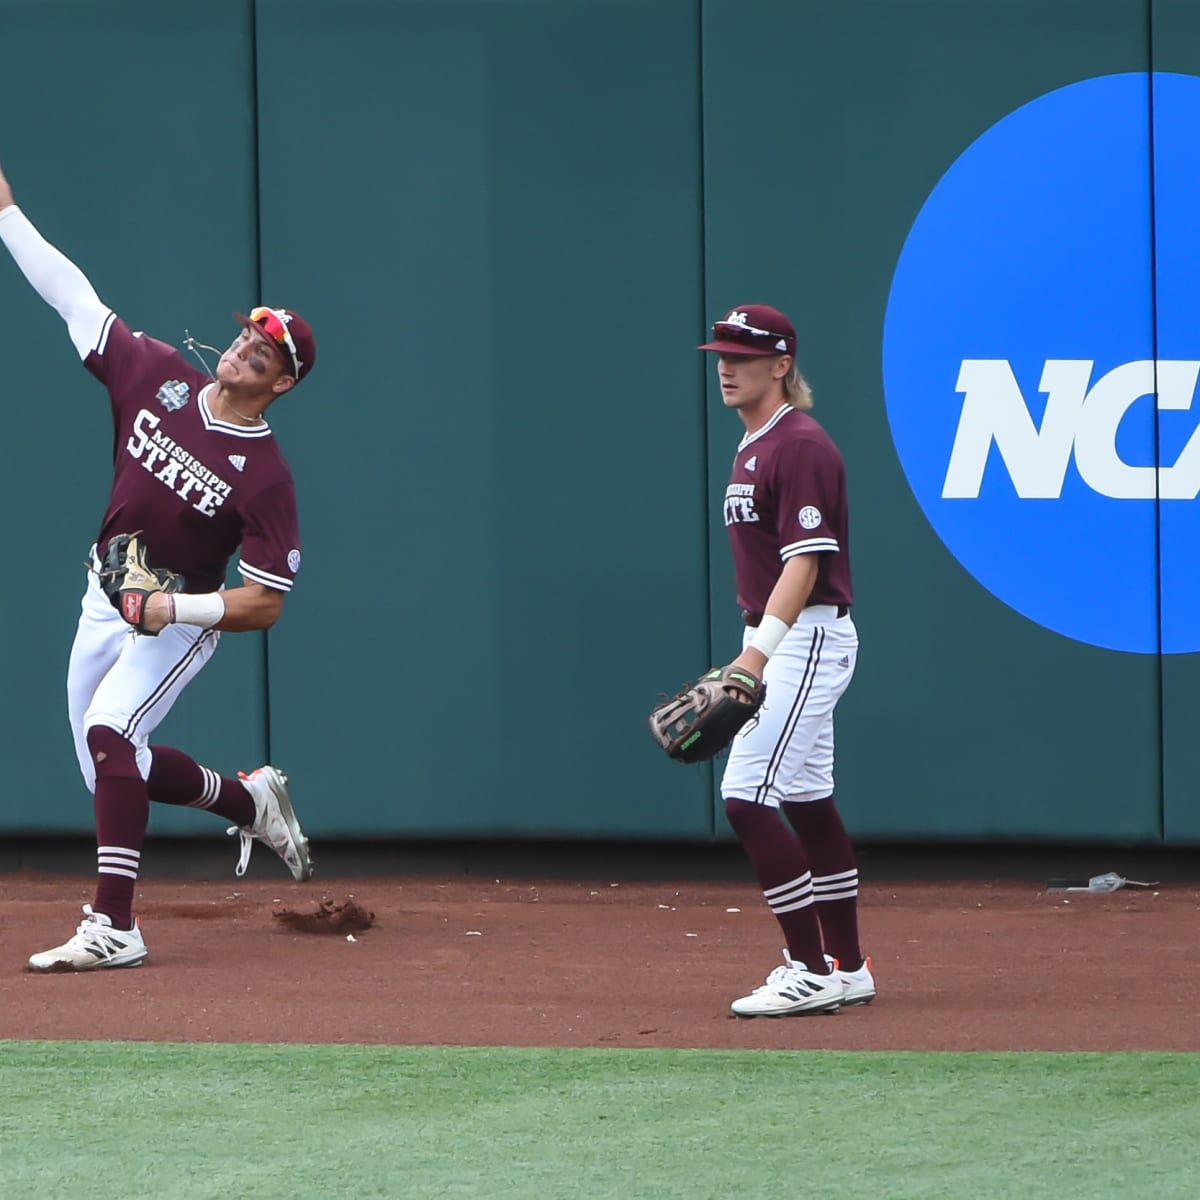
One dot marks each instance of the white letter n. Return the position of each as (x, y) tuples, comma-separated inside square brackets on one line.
[(994, 410)]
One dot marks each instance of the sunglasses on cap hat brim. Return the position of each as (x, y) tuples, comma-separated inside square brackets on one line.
[(732, 337), (272, 323)]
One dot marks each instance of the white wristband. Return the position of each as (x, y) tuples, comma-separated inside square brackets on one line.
[(204, 611), (770, 632)]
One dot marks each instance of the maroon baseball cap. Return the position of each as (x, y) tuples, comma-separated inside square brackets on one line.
[(753, 329), (290, 332)]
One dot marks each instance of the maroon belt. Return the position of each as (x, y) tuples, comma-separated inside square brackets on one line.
[(754, 620)]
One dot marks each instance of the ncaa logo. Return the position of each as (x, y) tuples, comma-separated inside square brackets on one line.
[(1041, 353)]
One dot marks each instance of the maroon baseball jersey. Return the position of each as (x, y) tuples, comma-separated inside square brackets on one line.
[(198, 488), (787, 496)]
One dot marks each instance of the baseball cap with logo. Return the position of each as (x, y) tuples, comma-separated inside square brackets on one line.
[(290, 332), (752, 329)]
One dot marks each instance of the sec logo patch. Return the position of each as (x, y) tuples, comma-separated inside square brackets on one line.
[(809, 517)]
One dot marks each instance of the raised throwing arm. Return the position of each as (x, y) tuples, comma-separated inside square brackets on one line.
[(52, 275)]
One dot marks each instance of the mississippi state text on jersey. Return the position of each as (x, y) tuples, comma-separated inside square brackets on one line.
[(196, 487)]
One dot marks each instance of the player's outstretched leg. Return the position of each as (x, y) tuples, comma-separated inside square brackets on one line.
[(274, 823), (96, 945)]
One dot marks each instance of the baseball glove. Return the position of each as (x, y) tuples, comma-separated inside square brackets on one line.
[(698, 723), (129, 580)]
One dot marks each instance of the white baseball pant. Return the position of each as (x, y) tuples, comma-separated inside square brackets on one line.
[(788, 753), (126, 681)]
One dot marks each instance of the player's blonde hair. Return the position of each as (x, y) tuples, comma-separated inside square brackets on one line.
[(796, 390)]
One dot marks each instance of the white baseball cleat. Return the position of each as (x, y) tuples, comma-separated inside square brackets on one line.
[(859, 985), (274, 823), (791, 990), (96, 945)]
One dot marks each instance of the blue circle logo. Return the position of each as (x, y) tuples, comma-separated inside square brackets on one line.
[(1041, 352)]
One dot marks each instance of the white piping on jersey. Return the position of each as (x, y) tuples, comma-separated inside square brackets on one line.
[(258, 575), (780, 413), (105, 329), (211, 422), (810, 546)]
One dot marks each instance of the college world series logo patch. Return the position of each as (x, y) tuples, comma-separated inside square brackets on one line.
[(1041, 352), (173, 394)]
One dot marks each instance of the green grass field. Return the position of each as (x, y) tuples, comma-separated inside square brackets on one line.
[(99, 1120)]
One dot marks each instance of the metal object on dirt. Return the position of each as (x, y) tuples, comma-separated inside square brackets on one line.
[(1110, 881)]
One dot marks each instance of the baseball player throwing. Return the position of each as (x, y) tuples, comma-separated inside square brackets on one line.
[(786, 512), (197, 474)]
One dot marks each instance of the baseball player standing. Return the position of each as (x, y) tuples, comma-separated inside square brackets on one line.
[(198, 472), (786, 512)]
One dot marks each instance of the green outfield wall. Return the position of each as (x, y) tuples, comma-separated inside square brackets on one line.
[(509, 224)]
